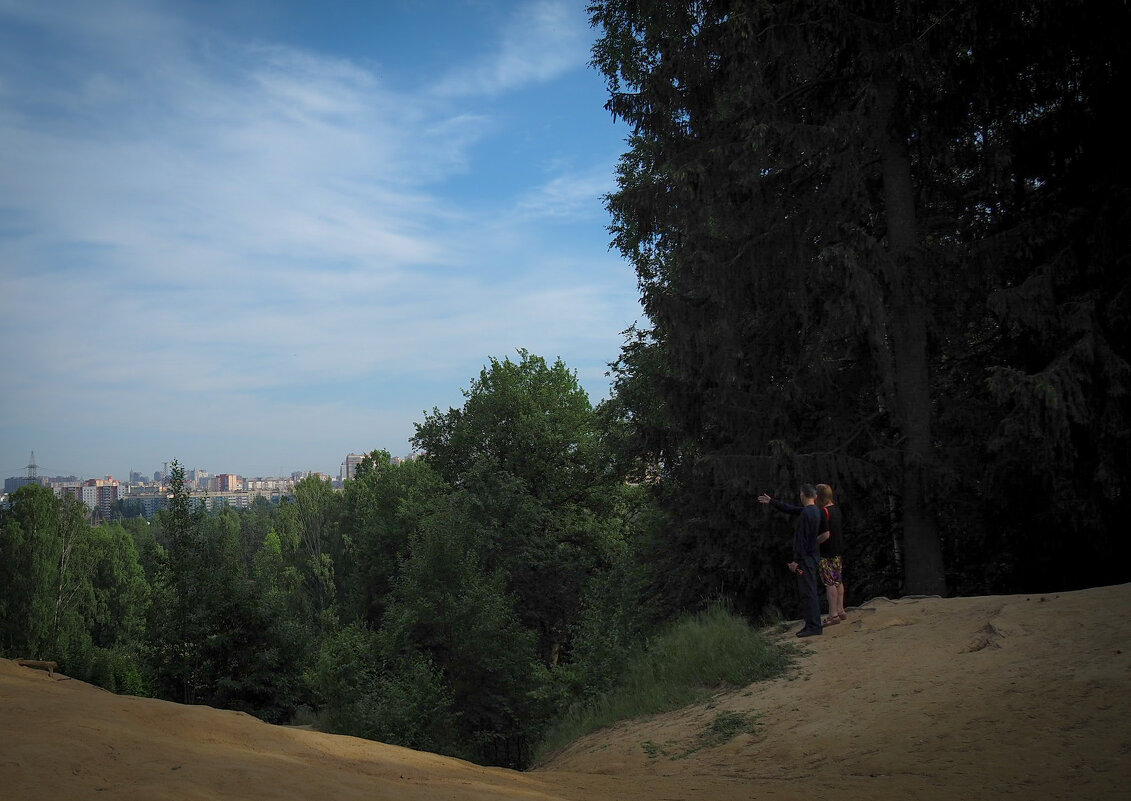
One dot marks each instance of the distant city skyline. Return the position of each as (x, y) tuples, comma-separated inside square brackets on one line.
[(257, 237), (125, 476)]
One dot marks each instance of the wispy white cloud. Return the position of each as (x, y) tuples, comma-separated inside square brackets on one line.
[(567, 197), (544, 40)]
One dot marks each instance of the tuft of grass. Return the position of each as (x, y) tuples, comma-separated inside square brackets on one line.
[(687, 662), (725, 727)]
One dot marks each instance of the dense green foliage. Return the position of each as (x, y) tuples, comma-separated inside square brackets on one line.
[(71, 593), (882, 246)]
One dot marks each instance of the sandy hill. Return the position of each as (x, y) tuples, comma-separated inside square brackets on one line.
[(1025, 697)]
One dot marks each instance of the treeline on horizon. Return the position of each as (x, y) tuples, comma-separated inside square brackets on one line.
[(882, 246)]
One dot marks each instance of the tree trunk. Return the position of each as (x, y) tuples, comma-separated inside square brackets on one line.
[(923, 570)]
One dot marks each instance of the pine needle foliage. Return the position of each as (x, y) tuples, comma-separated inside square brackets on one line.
[(882, 246)]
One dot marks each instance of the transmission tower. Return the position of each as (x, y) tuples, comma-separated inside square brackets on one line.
[(32, 468)]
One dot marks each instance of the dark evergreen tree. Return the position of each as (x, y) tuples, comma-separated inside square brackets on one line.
[(1058, 239), (176, 630), (819, 199)]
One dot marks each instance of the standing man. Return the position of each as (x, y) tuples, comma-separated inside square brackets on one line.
[(806, 554)]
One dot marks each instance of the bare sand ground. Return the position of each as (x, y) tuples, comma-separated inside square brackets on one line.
[(1024, 697)]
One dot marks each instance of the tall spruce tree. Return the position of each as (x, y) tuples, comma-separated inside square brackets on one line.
[(1057, 245), (812, 197), (177, 630)]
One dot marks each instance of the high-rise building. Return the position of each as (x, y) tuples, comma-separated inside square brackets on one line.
[(226, 482), (350, 465)]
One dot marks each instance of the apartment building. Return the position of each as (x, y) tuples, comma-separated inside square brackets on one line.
[(95, 493)]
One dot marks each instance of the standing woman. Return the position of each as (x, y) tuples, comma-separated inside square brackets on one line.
[(832, 555)]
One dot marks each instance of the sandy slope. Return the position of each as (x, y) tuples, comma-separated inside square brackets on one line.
[(1024, 697)]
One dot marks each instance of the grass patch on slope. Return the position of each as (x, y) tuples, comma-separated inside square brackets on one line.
[(724, 728), (686, 663)]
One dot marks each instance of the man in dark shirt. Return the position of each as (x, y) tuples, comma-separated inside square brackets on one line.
[(806, 554)]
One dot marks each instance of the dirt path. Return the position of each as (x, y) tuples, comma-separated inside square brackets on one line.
[(1024, 697)]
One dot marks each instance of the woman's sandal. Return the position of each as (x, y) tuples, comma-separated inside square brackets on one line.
[(830, 621)]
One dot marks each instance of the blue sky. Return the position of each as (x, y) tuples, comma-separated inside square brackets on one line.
[(255, 236)]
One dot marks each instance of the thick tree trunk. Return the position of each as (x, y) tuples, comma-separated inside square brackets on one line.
[(923, 569)]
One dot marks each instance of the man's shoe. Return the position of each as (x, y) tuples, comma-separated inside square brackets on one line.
[(808, 632)]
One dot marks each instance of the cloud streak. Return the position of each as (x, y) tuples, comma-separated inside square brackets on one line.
[(543, 41)]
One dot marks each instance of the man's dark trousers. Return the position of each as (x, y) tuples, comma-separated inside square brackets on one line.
[(807, 586)]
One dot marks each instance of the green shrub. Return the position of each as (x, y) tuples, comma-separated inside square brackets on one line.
[(685, 663)]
